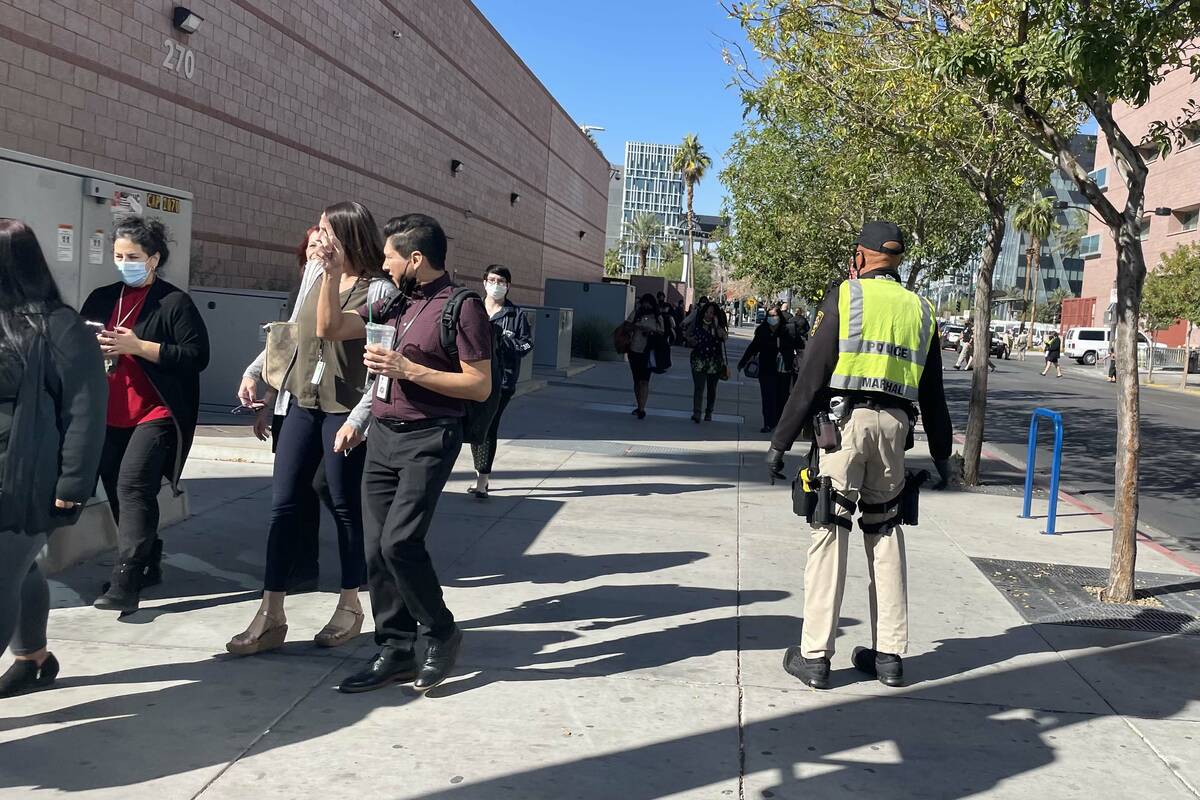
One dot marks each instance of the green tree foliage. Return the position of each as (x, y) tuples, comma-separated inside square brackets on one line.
[(1034, 216), (1052, 311), (1172, 292), (691, 162), (612, 262), (642, 233)]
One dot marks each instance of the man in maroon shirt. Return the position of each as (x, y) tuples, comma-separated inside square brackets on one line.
[(414, 440)]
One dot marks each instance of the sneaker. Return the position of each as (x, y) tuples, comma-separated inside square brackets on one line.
[(813, 672), (887, 667)]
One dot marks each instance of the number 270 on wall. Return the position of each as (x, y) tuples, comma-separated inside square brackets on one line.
[(180, 59)]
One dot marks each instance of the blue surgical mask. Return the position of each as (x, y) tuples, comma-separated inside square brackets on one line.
[(133, 273), (772, 321)]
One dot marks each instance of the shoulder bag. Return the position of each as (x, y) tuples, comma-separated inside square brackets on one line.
[(281, 350)]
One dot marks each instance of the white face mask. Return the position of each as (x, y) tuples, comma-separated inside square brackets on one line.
[(496, 291)]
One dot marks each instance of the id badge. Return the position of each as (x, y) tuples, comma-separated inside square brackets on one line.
[(318, 372), (383, 385)]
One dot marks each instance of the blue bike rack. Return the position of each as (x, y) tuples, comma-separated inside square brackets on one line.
[(1031, 459)]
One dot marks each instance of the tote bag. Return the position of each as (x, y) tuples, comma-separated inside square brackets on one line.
[(281, 349)]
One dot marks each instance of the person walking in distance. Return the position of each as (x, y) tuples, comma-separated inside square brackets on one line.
[(874, 354), (774, 352), (418, 408), (1053, 353), (966, 349), (52, 409), (515, 342), (155, 340), (708, 359), (647, 323)]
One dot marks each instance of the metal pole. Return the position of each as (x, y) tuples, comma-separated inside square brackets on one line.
[(1030, 460), (1052, 513)]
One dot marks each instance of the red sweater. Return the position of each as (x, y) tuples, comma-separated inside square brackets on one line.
[(132, 398)]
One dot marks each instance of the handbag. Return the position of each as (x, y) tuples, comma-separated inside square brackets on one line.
[(623, 337), (751, 369), (725, 364), (94, 534), (281, 349)]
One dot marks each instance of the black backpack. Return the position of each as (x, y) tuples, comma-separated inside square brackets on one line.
[(479, 414)]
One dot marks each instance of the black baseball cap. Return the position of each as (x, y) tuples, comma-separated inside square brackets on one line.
[(882, 237)]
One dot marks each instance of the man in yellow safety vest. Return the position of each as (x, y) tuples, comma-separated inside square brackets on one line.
[(874, 356)]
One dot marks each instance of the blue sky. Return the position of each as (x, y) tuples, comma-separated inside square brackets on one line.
[(649, 70)]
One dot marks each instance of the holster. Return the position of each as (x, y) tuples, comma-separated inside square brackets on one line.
[(826, 433), (903, 507), (910, 496)]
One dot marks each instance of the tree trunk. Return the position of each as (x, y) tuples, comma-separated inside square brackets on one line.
[(691, 259), (642, 257), (1031, 269), (1187, 355), (973, 445), (1028, 283), (1131, 274)]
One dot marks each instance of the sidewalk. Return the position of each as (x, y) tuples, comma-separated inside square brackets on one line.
[(627, 594)]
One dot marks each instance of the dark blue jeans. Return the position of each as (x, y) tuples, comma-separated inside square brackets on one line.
[(305, 445)]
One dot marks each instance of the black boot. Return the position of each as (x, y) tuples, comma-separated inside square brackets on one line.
[(24, 677), (888, 668), (123, 592), (152, 574), (812, 671)]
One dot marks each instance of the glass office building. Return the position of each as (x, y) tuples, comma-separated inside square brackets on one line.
[(650, 186)]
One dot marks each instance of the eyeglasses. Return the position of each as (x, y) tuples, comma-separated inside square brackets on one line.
[(496, 282)]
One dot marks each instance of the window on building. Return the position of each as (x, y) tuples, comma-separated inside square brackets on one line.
[(1089, 245), (1188, 219), (1149, 153), (1100, 176)]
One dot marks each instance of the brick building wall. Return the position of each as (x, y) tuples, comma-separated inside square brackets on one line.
[(1173, 182), (292, 106)]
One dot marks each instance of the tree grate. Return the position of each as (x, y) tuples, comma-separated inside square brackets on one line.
[(1054, 594)]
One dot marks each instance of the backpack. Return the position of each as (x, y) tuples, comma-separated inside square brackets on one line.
[(479, 416)]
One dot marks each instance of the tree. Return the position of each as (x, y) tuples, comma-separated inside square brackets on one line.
[(1034, 216), (643, 232), (864, 61), (1172, 292), (612, 262), (671, 251), (691, 162), (1027, 57)]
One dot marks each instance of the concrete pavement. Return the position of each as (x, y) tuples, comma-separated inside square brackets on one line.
[(627, 591)]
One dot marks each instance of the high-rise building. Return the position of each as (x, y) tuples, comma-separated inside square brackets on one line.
[(616, 191), (1171, 207), (1058, 266), (651, 186)]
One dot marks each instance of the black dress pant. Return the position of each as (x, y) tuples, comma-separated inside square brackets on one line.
[(704, 390), (774, 388), (305, 446), (132, 466), (405, 473), (308, 517)]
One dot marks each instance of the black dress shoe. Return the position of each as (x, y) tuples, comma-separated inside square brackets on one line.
[(25, 676), (439, 661), (812, 671), (888, 668), (387, 667)]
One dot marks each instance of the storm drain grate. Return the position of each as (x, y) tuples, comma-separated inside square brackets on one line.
[(1055, 594)]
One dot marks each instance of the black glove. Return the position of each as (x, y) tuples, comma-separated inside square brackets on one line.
[(775, 466), (943, 470)]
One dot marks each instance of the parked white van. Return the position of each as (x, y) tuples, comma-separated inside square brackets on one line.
[(1089, 345)]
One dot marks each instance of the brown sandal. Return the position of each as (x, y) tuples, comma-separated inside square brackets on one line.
[(333, 635), (272, 638)]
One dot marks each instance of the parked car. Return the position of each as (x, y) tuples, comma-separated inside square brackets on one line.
[(951, 336), (998, 348), (1089, 345)]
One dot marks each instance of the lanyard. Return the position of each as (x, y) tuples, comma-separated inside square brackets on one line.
[(121, 301)]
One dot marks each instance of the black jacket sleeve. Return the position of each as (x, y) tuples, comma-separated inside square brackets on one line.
[(517, 340), (77, 372), (752, 350), (812, 383), (931, 396), (189, 352)]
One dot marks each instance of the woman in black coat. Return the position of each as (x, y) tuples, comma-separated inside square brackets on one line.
[(775, 351), (155, 346), (52, 395)]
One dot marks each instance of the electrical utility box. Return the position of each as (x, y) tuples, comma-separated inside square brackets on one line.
[(73, 210)]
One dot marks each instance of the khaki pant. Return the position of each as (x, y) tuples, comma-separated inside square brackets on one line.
[(869, 466)]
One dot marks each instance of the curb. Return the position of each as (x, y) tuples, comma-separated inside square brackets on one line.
[(1104, 515)]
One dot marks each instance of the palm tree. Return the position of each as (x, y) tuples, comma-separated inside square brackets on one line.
[(691, 162), (1034, 216), (643, 231)]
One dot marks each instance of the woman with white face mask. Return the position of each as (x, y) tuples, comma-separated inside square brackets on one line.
[(515, 342), (155, 347)]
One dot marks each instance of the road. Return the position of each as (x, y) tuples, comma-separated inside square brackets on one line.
[(1170, 462)]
